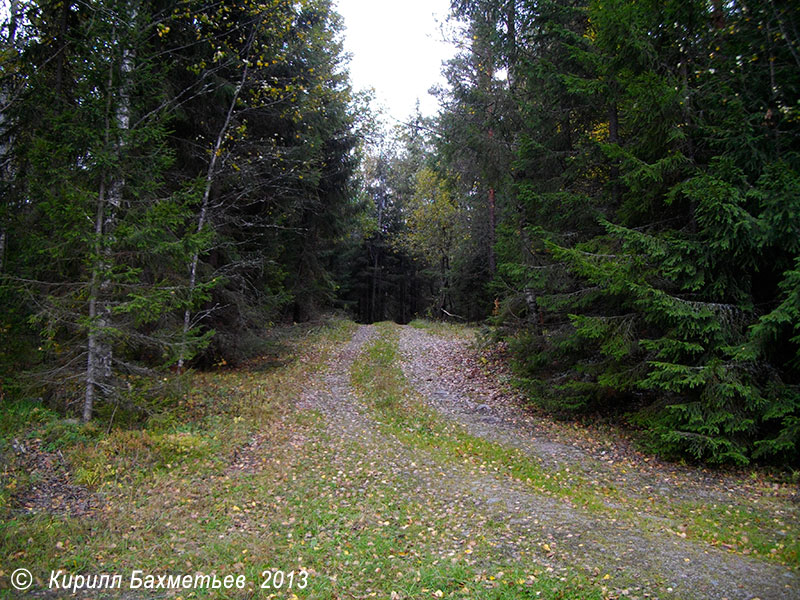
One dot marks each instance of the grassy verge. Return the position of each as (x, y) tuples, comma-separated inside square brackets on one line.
[(169, 496), (742, 529), (748, 530), (380, 378)]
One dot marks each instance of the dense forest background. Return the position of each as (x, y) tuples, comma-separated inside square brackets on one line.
[(613, 186)]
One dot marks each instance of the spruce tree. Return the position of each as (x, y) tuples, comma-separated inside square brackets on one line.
[(649, 240), (95, 236)]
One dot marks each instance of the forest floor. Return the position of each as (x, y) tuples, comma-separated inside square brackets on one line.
[(386, 461)]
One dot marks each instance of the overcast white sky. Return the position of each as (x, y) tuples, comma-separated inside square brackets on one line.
[(396, 48)]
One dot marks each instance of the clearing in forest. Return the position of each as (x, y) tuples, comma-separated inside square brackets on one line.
[(391, 461)]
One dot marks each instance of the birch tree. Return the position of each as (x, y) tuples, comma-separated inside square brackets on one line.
[(8, 86), (98, 232)]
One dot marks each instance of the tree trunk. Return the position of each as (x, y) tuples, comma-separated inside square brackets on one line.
[(61, 43), (5, 141), (485, 84), (511, 28), (683, 70), (492, 228), (373, 309), (403, 290), (93, 374), (535, 318), (443, 297), (109, 201), (717, 14), (203, 216)]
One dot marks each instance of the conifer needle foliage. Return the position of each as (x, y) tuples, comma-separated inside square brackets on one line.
[(647, 192)]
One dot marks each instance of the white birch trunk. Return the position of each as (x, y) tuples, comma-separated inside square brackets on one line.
[(203, 216), (109, 201), (5, 141)]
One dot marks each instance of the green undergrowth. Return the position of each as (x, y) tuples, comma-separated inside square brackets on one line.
[(163, 490), (745, 529)]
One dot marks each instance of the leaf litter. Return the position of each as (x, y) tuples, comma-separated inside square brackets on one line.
[(635, 536), (366, 508)]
